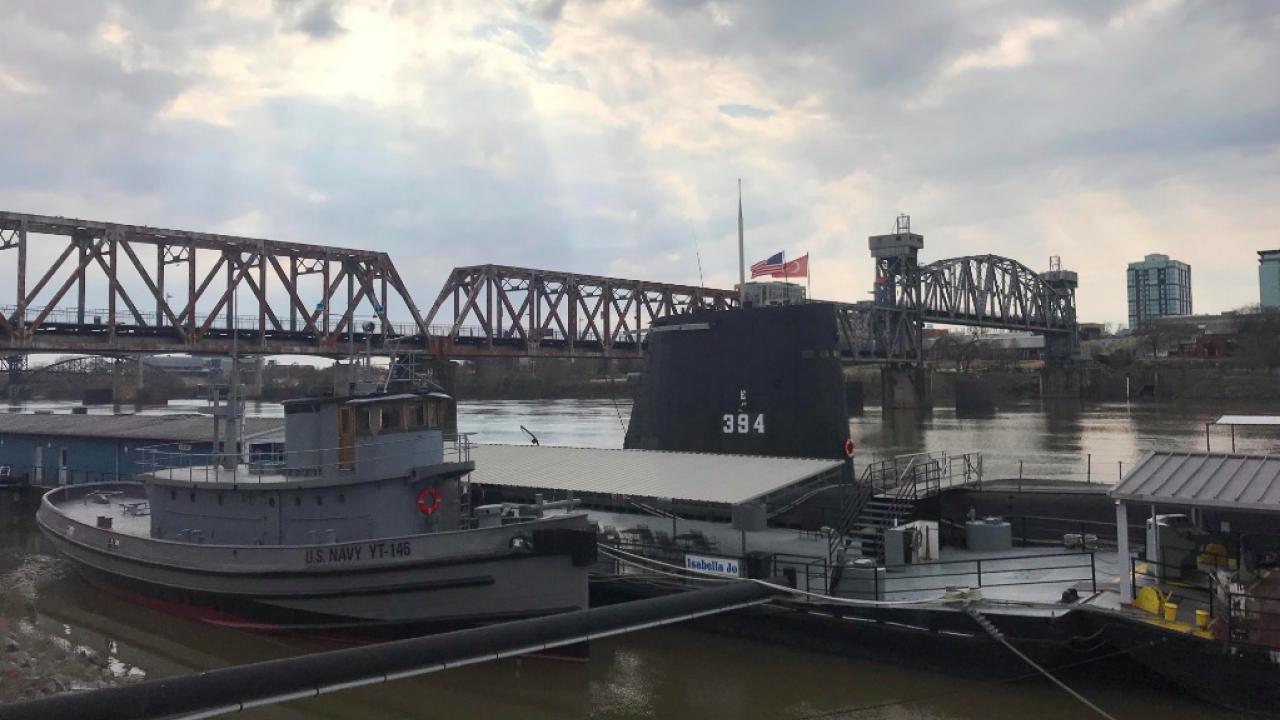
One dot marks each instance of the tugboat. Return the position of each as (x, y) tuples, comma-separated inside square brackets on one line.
[(363, 525)]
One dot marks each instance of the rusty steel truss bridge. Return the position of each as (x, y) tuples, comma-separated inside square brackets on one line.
[(83, 286)]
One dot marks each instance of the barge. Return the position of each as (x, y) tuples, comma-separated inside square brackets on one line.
[(891, 560)]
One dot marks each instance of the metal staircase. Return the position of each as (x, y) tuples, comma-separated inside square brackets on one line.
[(886, 495), (855, 501)]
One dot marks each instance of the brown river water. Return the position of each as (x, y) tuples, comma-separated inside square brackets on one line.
[(678, 672)]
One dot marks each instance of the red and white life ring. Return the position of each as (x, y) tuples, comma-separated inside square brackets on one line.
[(849, 447), (428, 500)]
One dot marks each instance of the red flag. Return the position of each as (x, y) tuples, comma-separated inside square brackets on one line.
[(794, 268)]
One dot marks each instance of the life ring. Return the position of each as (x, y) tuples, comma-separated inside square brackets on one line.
[(428, 500), (849, 447)]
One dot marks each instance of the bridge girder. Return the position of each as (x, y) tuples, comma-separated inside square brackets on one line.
[(496, 310), (526, 311), (197, 318), (870, 333), (996, 292)]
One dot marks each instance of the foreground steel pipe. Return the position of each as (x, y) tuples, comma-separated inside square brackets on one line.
[(230, 690)]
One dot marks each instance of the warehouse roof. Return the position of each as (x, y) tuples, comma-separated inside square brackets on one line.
[(697, 477), (170, 428), (1217, 480)]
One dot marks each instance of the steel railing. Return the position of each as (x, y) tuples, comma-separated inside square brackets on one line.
[(173, 462), (815, 574), (247, 325)]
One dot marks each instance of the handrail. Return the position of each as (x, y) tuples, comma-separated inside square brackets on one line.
[(155, 460), (986, 572), (160, 451), (803, 498)]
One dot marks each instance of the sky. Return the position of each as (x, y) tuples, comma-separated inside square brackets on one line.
[(608, 137)]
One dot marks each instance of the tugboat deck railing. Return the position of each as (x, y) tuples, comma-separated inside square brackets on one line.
[(171, 462)]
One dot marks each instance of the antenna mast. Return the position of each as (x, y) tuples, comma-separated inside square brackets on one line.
[(742, 262)]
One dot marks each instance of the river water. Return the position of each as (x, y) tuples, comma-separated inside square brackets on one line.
[(672, 672)]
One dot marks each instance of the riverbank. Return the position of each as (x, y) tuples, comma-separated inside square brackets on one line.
[(35, 662), (1174, 379)]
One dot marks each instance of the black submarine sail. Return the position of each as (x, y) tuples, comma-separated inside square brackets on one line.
[(751, 381)]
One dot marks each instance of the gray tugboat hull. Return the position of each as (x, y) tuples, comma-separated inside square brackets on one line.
[(429, 581)]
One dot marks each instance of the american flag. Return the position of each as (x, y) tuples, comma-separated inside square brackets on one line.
[(768, 266)]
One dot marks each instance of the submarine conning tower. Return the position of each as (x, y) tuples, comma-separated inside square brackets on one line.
[(750, 381)]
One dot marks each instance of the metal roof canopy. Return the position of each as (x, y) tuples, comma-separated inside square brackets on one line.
[(694, 477), (1228, 481), (1233, 420), (159, 428), (1273, 420)]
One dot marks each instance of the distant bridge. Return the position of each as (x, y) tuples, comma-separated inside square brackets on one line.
[(350, 298), (987, 291), (303, 299), (521, 311)]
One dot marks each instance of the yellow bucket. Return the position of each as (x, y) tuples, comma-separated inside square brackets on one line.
[(1202, 618), (1170, 611)]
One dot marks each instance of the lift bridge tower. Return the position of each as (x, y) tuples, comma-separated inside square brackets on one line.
[(1061, 377), (897, 320)]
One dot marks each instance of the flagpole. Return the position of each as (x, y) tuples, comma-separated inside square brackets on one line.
[(742, 262), (786, 278), (808, 281)]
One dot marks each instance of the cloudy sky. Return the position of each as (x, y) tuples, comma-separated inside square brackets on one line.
[(607, 137)]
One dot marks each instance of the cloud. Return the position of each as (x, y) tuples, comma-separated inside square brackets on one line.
[(607, 137), (1013, 49), (745, 111), (316, 19)]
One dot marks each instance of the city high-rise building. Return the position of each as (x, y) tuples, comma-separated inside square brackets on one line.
[(1158, 286), (1269, 278)]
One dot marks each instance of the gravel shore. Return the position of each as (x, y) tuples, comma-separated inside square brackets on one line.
[(35, 661)]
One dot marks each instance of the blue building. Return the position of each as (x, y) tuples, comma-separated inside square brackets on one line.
[(1158, 286), (1269, 278), (57, 449)]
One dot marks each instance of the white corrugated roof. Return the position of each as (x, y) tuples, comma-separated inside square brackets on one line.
[(1218, 480), (161, 428), (697, 477), (1248, 420)]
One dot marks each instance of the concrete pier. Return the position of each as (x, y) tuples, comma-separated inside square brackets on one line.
[(903, 387), (854, 397), (1060, 382), (974, 397), (259, 369)]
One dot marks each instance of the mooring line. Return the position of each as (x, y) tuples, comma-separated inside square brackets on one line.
[(999, 637)]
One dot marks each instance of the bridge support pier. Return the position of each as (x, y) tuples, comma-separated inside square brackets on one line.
[(903, 387), (14, 366), (854, 397), (1060, 382), (974, 397), (259, 367)]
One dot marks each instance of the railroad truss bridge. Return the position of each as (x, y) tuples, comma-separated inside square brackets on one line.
[(93, 287)]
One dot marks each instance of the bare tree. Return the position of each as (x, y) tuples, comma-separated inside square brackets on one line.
[(1258, 336), (1157, 334), (957, 347)]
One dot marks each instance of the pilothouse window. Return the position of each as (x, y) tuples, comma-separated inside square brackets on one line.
[(417, 415), (435, 414), (391, 419)]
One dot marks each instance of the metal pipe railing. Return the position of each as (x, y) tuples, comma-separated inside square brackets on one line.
[(157, 460)]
